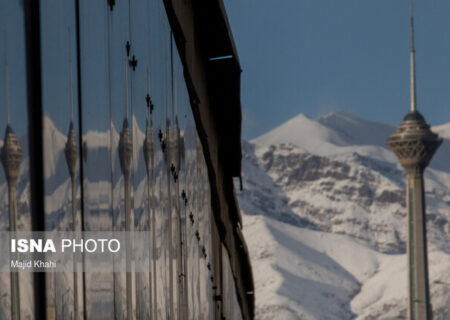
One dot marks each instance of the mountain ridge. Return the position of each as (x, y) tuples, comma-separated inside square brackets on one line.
[(332, 184)]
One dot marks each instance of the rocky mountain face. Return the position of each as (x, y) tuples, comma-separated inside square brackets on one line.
[(349, 186)]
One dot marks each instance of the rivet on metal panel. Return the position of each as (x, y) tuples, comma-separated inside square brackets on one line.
[(149, 102), (133, 63), (111, 4), (127, 47), (85, 151)]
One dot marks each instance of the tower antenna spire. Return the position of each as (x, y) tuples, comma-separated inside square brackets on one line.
[(70, 75), (126, 89), (414, 144), (148, 93), (7, 80), (412, 63)]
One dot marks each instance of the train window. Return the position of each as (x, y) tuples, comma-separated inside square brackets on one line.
[(98, 137)]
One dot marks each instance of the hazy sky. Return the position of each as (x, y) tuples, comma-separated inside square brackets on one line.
[(319, 56)]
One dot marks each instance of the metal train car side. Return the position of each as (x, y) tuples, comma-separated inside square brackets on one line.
[(124, 116)]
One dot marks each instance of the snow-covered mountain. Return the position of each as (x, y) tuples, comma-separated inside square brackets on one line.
[(443, 130), (325, 219), (342, 133)]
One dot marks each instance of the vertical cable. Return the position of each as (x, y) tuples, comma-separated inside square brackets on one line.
[(126, 90), (35, 145), (7, 81), (70, 75), (109, 14), (80, 141)]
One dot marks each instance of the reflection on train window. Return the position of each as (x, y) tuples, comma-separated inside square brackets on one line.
[(122, 150)]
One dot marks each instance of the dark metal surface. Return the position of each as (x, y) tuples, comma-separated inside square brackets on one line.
[(34, 111)]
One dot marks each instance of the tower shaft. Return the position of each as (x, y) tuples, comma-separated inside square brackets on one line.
[(75, 258), (14, 276), (125, 157), (128, 228), (414, 144), (11, 159), (419, 295)]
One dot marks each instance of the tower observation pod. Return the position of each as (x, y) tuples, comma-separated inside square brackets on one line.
[(414, 144)]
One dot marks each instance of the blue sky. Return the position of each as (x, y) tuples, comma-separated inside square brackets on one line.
[(319, 56)]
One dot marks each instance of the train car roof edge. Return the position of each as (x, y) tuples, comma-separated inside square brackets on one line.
[(212, 72)]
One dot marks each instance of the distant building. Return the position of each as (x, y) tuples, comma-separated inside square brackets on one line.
[(414, 144)]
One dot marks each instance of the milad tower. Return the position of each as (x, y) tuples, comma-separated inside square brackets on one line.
[(414, 144)]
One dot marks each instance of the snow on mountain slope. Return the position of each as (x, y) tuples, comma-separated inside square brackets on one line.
[(306, 274), (327, 136), (383, 295), (443, 130), (357, 131), (54, 143), (299, 131), (301, 280), (325, 219), (341, 133), (347, 194)]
